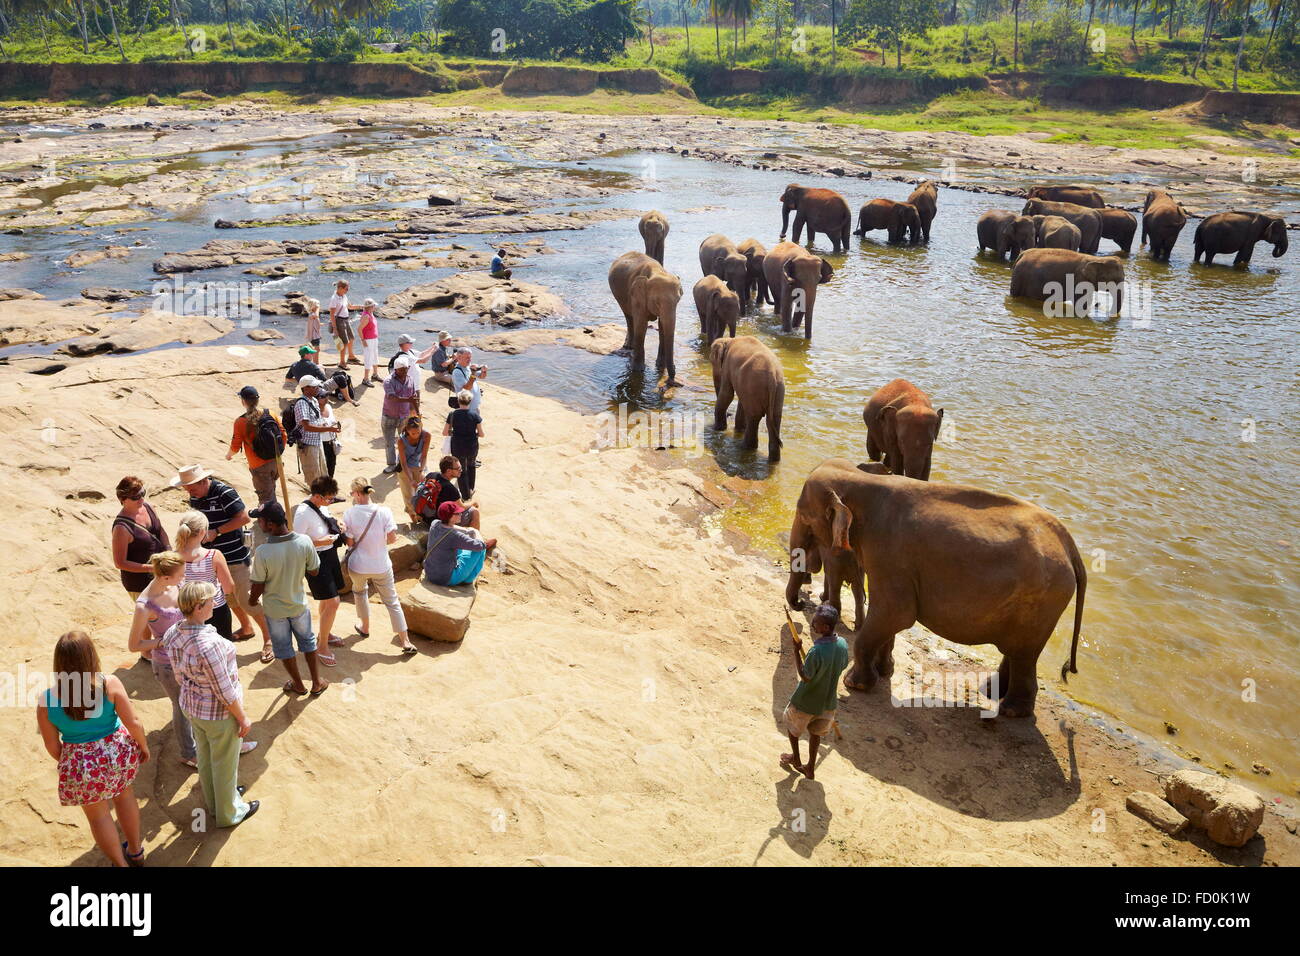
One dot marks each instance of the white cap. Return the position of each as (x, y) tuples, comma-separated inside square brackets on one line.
[(402, 362), (309, 380)]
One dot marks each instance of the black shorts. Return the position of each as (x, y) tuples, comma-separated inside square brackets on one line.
[(221, 619), (326, 582)]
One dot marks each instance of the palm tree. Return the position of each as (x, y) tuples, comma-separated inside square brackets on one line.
[(1087, 30), (112, 18), (1278, 6), (229, 29), (686, 24), (1015, 49), (1211, 13), (1241, 44), (742, 9), (716, 7)]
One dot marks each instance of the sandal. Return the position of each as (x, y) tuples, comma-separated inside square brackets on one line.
[(327, 659), (335, 641), (410, 649), (268, 655), (357, 628), (243, 635), (317, 693), (289, 689), (133, 859)]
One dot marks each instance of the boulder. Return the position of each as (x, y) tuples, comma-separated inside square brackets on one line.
[(103, 294), (191, 262), (8, 294), (200, 95), (152, 100), (1229, 813), (1156, 812), (407, 552), (442, 199), (264, 335), (436, 611)]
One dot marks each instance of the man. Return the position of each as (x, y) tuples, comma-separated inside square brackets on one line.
[(812, 705), (466, 376), (311, 425), (498, 268), (401, 401), (264, 471), (448, 472), (305, 365), (278, 573), (226, 515), (442, 360), (456, 553), (406, 346)]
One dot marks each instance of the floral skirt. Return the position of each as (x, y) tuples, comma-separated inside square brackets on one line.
[(99, 770)]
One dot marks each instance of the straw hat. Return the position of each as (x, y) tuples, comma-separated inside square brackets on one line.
[(189, 475)]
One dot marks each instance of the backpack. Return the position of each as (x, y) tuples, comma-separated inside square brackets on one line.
[(425, 498), (267, 442), (291, 426)]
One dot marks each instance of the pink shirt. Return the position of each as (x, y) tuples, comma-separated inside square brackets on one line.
[(369, 326)]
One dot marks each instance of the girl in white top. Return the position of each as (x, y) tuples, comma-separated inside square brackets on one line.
[(340, 326), (330, 443), (370, 529)]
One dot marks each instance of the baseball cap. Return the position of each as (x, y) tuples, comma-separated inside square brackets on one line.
[(405, 339), (307, 380), (403, 361), (447, 509), (248, 393), (305, 350), (272, 511)]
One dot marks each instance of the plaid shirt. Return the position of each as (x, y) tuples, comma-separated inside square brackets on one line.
[(307, 410), (206, 668)]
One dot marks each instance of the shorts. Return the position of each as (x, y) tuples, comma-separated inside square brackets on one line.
[(285, 629), (797, 723), (326, 582), (240, 574)]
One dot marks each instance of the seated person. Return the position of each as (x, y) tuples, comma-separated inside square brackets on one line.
[(456, 553), (498, 268), (304, 366), (441, 359), (339, 384)]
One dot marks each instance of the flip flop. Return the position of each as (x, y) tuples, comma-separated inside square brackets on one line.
[(788, 764), (243, 635), (327, 659), (317, 693), (268, 655), (292, 691), (133, 859), (336, 641), (357, 628), (410, 649)]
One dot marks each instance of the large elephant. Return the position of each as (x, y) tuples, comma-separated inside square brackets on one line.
[(654, 230), (1004, 232), (900, 219), (754, 254), (821, 210), (720, 257), (973, 566), (1057, 274), (1119, 225), (1053, 232), (1162, 220), (1238, 232), (1077, 194), (793, 274), (645, 291), (902, 426), (718, 306), (925, 198), (749, 371), (1087, 219)]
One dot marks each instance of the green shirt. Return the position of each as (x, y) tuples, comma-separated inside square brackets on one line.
[(819, 691), (281, 564)]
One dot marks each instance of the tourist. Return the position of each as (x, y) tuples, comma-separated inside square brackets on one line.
[(207, 564), (370, 529), (401, 401), (257, 426), (278, 572), (465, 376), (456, 552), (465, 428), (155, 612), (811, 709), (310, 426), (447, 490), (368, 329), (341, 326), (412, 457), (213, 700), (339, 383), (306, 365), (498, 268), (313, 519), (90, 729), (330, 442), (313, 322), (137, 536), (406, 346), (442, 360), (227, 517)]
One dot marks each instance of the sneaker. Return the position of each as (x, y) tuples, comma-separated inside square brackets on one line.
[(392, 470)]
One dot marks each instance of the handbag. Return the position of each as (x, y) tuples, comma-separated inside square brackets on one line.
[(331, 525), (347, 555)]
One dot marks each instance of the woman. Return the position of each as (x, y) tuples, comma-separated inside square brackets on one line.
[(207, 564), (370, 529), (155, 612), (313, 519), (137, 535), (465, 428), (89, 727), (340, 326), (329, 441), (368, 328), (413, 456), (212, 699), (313, 322)]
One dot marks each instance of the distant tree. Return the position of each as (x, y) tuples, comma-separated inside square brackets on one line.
[(1241, 42), (889, 22)]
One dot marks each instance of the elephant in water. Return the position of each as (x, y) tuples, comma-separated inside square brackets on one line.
[(900, 219), (720, 257), (754, 254), (1053, 232), (1162, 221), (973, 566), (646, 291), (1078, 194), (925, 198), (654, 230), (749, 371), (1004, 232), (1119, 225), (718, 306), (1057, 274), (1238, 232), (793, 274), (1086, 218), (902, 426), (821, 210)]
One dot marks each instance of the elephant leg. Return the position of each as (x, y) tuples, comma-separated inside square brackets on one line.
[(874, 451), (1021, 679), (798, 227), (725, 394), (844, 236), (884, 660), (751, 430), (859, 597), (740, 417), (638, 339), (627, 318), (995, 688), (1243, 257), (787, 306), (876, 631)]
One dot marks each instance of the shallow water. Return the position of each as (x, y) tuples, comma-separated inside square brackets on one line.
[(1134, 437)]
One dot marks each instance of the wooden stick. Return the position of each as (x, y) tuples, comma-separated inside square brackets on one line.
[(798, 649)]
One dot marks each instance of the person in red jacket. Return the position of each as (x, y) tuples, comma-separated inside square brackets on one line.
[(264, 470)]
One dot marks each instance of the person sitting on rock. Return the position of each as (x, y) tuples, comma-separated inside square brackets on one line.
[(441, 359), (498, 268), (456, 552), (306, 365)]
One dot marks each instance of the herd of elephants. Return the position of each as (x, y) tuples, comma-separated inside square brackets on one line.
[(973, 566)]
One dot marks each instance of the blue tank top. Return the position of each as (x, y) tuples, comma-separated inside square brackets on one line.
[(411, 453), (96, 726)]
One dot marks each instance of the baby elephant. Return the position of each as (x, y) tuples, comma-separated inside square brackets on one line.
[(1053, 232), (902, 425), (718, 306), (746, 369), (901, 220), (1004, 232)]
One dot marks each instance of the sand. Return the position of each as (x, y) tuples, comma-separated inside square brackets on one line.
[(614, 702)]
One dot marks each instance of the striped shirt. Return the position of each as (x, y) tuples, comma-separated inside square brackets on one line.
[(206, 668), (203, 570), (307, 410), (222, 505)]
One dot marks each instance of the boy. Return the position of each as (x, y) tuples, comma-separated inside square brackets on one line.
[(812, 705)]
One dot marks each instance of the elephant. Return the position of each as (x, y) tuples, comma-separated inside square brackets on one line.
[(1118, 225), (1238, 232), (794, 273), (718, 306), (1053, 232), (821, 210), (973, 566), (896, 217), (1087, 219), (1077, 194), (754, 253), (902, 425), (1162, 220), (1054, 274), (720, 257), (925, 198), (749, 371), (1004, 232), (645, 291), (654, 230)]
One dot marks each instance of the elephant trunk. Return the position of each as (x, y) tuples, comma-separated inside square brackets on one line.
[(1279, 247), (785, 219), (793, 586)]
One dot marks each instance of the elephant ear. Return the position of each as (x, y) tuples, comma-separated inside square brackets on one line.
[(841, 520), (889, 426), (938, 422), (638, 294), (827, 272)]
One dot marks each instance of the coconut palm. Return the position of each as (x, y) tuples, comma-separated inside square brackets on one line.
[(1241, 43)]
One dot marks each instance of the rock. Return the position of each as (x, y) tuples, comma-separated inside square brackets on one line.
[(191, 262), (1156, 812), (505, 301), (437, 612), (1229, 813), (102, 294), (264, 335), (8, 294), (152, 100), (79, 260), (442, 199), (196, 95), (408, 550), (224, 224), (97, 126)]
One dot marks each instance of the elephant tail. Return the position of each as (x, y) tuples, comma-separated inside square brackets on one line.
[(1080, 587), (775, 403)]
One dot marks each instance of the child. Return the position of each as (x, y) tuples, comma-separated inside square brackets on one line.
[(812, 705), (313, 323), (368, 327)]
